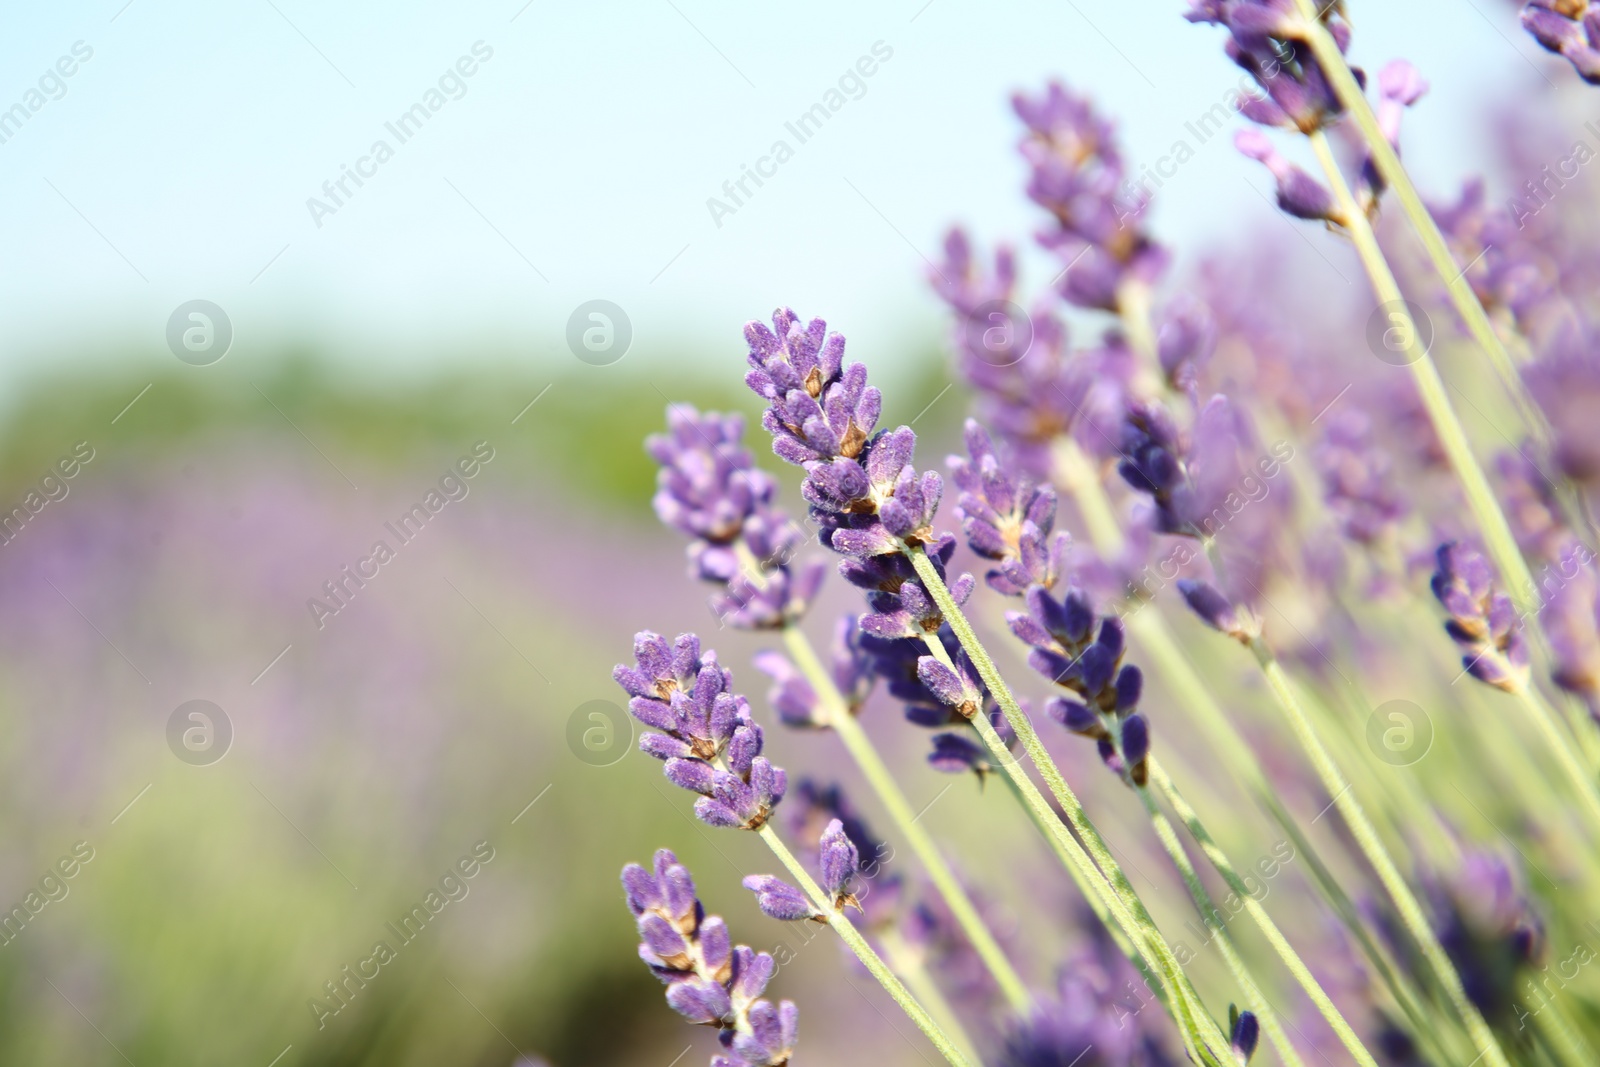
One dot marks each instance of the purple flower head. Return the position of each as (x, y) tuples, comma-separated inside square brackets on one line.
[(1085, 1025), (839, 861), (1265, 40), (1077, 173), (865, 496), (1483, 622), (1082, 653), (1570, 29), (1571, 618), (900, 606), (1299, 194), (708, 488), (780, 900), (708, 740), (710, 982), (1006, 518)]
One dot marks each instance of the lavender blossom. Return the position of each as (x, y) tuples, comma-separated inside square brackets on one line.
[(1265, 41), (1085, 1026), (1358, 479), (1482, 621), (709, 488), (1006, 520), (1078, 175), (1570, 29), (1571, 619), (709, 981), (709, 742)]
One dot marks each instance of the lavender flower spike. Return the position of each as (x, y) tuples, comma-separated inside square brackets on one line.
[(1482, 621), (709, 981), (709, 488), (708, 740), (1006, 519)]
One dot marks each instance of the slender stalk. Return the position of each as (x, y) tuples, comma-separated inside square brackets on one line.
[(1253, 996), (1286, 952), (864, 952), (907, 962), (1195, 1023), (1410, 910), (1394, 174), (1566, 1045), (1480, 497), (1583, 780), (894, 801)]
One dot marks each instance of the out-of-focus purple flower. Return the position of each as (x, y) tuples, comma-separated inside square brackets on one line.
[(709, 981), (1216, 610), (779, 900), (1299, 194), (1482, 620), (1007, 519), (792, 696), (1570, 29), (709, 488), (1086, 1025), (1400, 85), (1266, 41), (1566, 384), (1571, 618), (708, 740), (1358, 477), (1185, 339), (1528, 497), (1083, 653), (1078, 175)]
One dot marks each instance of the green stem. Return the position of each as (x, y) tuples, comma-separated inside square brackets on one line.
[(1253, 996), (1198, 1027), (1544, 717), (1394, 174), (1480, 496), (1565, 1043), (1286, 952), (864, 951), (1410, 910), (907, 962), (894, 801)]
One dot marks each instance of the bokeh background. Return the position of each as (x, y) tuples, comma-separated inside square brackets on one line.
[(373, 347)]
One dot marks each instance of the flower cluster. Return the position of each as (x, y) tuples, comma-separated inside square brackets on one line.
[(1358, 478), (708, 740), (1570, 29), (1482, 620), (1010, 521), (1078, 175), (709, 489), (864, 494), (709, 981)]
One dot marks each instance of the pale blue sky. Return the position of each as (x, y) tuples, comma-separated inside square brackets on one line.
[(578, 162)]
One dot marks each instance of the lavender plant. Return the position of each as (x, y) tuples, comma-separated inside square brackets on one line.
[(1156, 440)]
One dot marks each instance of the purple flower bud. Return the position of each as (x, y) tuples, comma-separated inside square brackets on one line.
[(957, 753), (779, 900), (1482, 621), (839, 861), (695, 775), (1135, 746), (1246, 1034), (1299, 194), (1214, 609), (772, 1035)]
